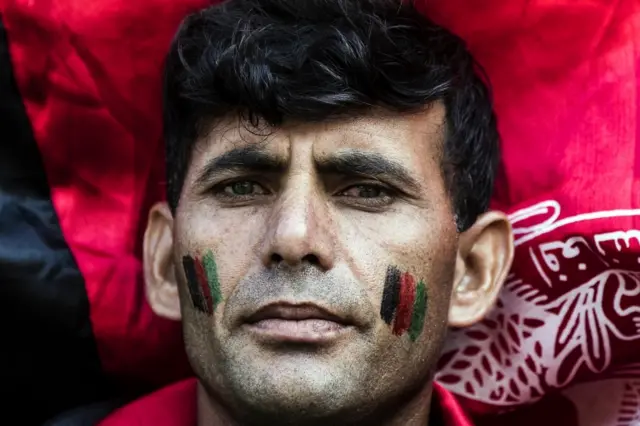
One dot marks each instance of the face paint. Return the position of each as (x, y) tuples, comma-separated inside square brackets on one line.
[(419, 312), (390, 295), (404, 303), (213, 282), (203, 282), (193, 283)]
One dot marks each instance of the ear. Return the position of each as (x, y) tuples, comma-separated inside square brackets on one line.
[(159, 272), (484, 258)]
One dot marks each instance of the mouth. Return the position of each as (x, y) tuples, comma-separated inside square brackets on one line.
[(297, 323)]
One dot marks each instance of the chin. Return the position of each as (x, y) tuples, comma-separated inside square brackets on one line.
[(297, 386)]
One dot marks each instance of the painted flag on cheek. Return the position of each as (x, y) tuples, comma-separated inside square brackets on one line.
[(195, 290), (405, 304), (419, 312), (204, 285), (213, 281), (390, 295), (203, 282)]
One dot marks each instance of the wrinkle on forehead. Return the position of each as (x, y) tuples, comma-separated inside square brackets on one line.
[(409, 138), (428, 122)]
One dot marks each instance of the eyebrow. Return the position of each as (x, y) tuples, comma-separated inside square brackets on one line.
[(346, 163), (249, 158), (373, 165)]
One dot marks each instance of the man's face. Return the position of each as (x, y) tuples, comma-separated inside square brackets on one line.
[(295, 240)]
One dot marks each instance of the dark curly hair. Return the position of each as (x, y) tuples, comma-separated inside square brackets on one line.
[(274, 61)]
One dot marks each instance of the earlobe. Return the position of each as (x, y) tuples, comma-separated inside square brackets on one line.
[(159, 272), (484, 259)]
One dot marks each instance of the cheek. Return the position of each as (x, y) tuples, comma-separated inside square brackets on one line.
[(203, 281), (404, 303), (214, 253), (408, 266)]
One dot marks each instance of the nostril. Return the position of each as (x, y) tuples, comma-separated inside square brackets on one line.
[(312, 259)]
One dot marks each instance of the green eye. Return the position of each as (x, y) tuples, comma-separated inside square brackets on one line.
[(365, 191), (241, 188), (367, 196)]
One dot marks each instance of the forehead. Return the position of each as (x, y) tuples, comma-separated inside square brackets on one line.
[(415, 140)]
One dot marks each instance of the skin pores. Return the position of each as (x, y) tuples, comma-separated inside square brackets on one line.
[(309, 220)]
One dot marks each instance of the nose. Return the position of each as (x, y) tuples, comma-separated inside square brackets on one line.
[(300, 231)]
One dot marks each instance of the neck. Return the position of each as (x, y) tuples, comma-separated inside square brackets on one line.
[(414, 412)]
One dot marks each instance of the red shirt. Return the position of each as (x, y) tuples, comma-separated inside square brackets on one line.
[(175, 405)]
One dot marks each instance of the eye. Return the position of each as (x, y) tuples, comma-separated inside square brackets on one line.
[(367, 195), (241, 189), (364, 191)]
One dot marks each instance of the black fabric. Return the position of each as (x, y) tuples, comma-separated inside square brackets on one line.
[(89, 415), (436, 417), (48, 357)]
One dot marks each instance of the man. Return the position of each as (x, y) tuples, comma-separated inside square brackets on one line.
[(330, 164)]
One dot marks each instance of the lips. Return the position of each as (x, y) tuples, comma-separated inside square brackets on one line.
[(297, 323)]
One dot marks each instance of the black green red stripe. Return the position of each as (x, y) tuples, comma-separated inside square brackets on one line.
[(404, 310), (213, 281), (203, 282), (404, 303), (204, 287), (419, 312), (390, 294), (197, 298)]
